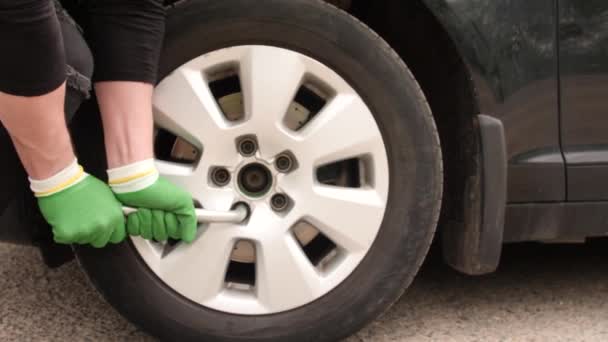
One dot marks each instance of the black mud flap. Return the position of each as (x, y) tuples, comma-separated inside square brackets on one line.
[(475, 248)]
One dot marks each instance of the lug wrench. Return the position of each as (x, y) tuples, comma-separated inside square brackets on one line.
[(237, 215)]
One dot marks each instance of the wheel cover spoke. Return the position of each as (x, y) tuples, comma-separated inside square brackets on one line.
[(268, 92), (285, 276), (184, 105), (199, 268), (332, 210), (341, 131)]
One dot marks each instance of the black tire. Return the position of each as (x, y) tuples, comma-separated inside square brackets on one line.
[(363, 59)]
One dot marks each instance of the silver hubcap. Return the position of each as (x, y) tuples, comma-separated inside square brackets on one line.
[(276, 246)]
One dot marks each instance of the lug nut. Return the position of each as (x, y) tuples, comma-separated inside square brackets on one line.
[(220, 176), (284, 163), (248, 147), (279, 202)]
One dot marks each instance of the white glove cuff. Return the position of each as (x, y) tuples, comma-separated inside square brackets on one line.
[(133, 177), (68, 177)]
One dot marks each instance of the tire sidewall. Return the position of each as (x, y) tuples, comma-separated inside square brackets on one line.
[(333, 38)]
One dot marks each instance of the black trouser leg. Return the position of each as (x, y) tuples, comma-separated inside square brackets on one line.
[(32, 61), (79, 70)]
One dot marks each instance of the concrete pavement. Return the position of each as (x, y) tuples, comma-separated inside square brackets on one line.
[(540, 293)]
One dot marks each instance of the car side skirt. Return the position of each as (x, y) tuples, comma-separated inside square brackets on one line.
[(548, 222)]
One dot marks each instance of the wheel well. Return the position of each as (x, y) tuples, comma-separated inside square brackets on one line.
[(446, 83)]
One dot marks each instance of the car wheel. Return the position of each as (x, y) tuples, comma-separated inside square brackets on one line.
[(305, 115)]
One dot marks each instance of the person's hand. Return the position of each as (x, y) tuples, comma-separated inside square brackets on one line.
[(85, 213), (163, 211)]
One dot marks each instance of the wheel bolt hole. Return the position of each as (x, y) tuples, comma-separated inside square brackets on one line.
[(279, 202), (248, 147), (284, 163), (220, 176)]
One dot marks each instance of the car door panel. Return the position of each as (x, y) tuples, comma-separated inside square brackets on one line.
[(510, 47), (583, 40)]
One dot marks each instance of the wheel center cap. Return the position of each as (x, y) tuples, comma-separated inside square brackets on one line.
[(255, 180)]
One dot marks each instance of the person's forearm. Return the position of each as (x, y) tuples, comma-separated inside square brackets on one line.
[(38, 130), (164, 210), (126, 111)]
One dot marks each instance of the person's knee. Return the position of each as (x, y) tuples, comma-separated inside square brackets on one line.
[(79, 60), (78, 54)]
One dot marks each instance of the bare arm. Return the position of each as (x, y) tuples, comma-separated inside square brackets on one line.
[(126, 111)]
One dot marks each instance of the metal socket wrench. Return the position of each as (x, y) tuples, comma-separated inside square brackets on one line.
[(237, 215)]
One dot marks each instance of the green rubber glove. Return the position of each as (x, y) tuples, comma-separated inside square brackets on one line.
[(85, 213), (163, 211)]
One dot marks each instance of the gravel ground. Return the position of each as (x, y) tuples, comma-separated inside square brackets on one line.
[(540, 293)]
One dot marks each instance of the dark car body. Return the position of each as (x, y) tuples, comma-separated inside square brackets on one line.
[(519, 91), (541, 69)]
